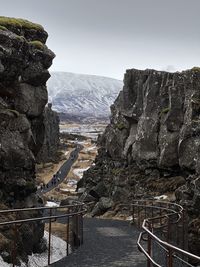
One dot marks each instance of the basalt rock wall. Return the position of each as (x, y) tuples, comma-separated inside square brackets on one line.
[(24, 63), (155, 120), (49, 150), (151, 146)]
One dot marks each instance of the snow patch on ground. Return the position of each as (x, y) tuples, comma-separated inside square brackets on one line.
[(67, 189), (66, 153), (130, 218), (162, 197), (4, 264), (58, 251), (72, 182), (51, 204), (84, 160), (79, 172), (77, 142), (89, 149)]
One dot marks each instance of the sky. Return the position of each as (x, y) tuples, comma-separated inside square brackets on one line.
[(106, 37)]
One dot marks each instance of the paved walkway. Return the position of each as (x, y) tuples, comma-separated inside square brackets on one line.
[(64, 170), (107, 243)]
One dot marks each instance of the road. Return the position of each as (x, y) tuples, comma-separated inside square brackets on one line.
[(63, 171)]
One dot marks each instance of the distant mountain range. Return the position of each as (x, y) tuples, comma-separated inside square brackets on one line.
[(82, 96)]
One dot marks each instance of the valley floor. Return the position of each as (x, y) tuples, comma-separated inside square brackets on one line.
[(67, 188)]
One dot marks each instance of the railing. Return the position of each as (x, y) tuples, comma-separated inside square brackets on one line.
[(163, 239), (23, 230)]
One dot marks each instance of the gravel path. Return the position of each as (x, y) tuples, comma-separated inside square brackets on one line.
[(107, 243)]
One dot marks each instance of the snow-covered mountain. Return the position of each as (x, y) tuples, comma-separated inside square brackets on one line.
[(82, 95)]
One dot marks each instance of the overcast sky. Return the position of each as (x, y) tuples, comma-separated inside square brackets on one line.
[(105, 37)]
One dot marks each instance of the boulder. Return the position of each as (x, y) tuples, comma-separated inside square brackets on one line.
[(102, 206)]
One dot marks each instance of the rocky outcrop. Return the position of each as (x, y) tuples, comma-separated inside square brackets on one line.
[(24, 60), (50, 146), (188, 195), (151, 145)]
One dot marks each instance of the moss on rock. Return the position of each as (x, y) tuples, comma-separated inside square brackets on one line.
[(165, 110), (3, 28), (13, 111), (37, 44), (196, 69), (19, 23), (120, 126)]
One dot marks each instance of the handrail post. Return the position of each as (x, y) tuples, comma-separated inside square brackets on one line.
[(168, 229), (138, 214), (77, 231), (170, 259), (183, 226), (14, 246), (49, 246), (67, 236), (81, 229), (149, 246)]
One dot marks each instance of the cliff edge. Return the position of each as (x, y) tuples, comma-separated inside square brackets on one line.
[(24, 63)]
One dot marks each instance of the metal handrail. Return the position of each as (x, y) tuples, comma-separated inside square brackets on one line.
[(146, 253), (43, 218), (169, 248), (71, 212), (78, 204), (168, 245)]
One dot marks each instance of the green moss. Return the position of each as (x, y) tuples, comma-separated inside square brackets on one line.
[(37, 44), (196, 69), (22, 38), (3, 28), (116, 171), (19, 23), (196, 121), (15, 112), (165, 110), (120, 126)]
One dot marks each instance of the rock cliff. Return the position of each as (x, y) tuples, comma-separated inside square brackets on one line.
[(49, 149), (24, 63), (151, 145)]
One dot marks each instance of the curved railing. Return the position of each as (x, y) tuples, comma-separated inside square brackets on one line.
[(63, 224), (163, 239)]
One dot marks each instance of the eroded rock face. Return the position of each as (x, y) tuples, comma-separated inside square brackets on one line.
[(151, 145), (155, 120), (50, 146), (24, 63)]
